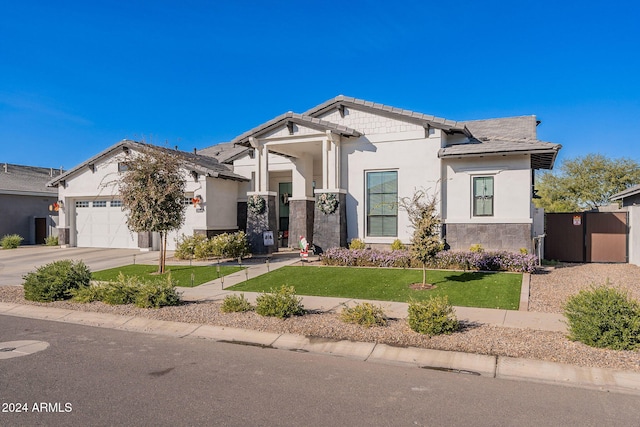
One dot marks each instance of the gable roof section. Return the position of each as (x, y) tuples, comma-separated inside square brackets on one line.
[(425, 120), (26, 180), (299, 119), (631, 191), (202, 164), (225, 152), (509, 135)]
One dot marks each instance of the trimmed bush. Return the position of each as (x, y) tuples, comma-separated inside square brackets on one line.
[(280, 303), (604, 317), (51, 241), (434, 316), (157, 293), (397, 245), (225, 245), (236, 304), (131, 290), (365, 258), (357, 244), (11, 241), (476, 248), (186, 246), (364, 314), (56, 281)]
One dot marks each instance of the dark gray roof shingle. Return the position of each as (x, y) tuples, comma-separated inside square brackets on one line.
[(300, 119), (199, 163), (631, 191), (28, 180)]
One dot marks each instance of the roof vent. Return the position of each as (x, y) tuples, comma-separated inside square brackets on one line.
[(5, 168)]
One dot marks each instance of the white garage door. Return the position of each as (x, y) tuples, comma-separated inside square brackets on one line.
[(102, 224)]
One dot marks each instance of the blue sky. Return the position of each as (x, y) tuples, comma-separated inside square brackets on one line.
[(78, 76)]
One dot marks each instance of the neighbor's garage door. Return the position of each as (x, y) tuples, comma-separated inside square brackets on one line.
[(102, 224)]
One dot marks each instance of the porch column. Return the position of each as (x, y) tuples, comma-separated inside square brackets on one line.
[(301, 203), (330, 219), (259, 221), (262, 165)]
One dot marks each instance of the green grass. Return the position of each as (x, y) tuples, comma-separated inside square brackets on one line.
[(180, 273), (468, 289)]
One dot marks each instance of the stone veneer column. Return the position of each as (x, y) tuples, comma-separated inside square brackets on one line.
[(301, 217), (63, 236), (330, 230), (145, 240), (258, 223)]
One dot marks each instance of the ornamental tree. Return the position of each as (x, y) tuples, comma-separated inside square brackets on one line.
[(152, 191), (425, 243), (584, 183)]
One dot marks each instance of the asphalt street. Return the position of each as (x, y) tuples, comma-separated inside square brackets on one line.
[(93, 377)]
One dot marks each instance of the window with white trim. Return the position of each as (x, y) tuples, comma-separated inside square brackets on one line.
[(382, 203), (82, 204), (100, 204), (116, 203), (482, 196)]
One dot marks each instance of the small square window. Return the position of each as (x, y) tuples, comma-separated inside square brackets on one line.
[(123, 167), (82, 204), (100, 204), (116, 203)]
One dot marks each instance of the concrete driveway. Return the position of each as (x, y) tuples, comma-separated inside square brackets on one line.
[(15, 263)]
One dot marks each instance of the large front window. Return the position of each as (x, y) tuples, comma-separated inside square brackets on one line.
[(483, 196), (382, 204)]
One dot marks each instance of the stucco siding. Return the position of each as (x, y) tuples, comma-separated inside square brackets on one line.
[(512, 189), (416, 162)]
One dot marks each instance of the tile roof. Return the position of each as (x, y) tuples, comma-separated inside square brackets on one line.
[(225, 152), (521, 127), (27, 180), (300, 119), (386, 110), (200, 163), (631, 191), (508, 135)]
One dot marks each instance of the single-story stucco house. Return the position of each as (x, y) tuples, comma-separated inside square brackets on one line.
[(628, 197), (27, 206), (334, 173)]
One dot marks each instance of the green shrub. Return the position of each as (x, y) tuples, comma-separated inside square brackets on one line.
[(231, 245), (476, 248), (123, 291), (280, 303), (235, 304), (433, 316), (364, 314), (51, 241), (56, 281), (11, 241), (157, 293), (186, 246), (397, 245), (604, 317), (89, 294), (357, 244)]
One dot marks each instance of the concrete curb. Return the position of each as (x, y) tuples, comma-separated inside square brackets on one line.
[(524, 292), (451, 361)]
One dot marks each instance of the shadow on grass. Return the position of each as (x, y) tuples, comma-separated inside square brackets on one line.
[(467, 276)]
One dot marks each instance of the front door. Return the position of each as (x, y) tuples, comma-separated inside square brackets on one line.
[(284, 192)]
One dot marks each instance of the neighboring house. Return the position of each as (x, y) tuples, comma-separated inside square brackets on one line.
[(92, 215), (628, 197), (335, 173), (27, 205), (368, 156)]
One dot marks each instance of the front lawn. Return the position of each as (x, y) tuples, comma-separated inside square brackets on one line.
[(180, 273), (468, 289)]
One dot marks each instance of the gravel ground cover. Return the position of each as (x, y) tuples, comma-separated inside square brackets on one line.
[(550, 289), (548, 292)]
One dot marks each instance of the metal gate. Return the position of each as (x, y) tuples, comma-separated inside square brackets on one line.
[(587, 237)]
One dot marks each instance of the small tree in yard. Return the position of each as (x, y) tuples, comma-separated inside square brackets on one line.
[(425, 243), (152, 191)]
